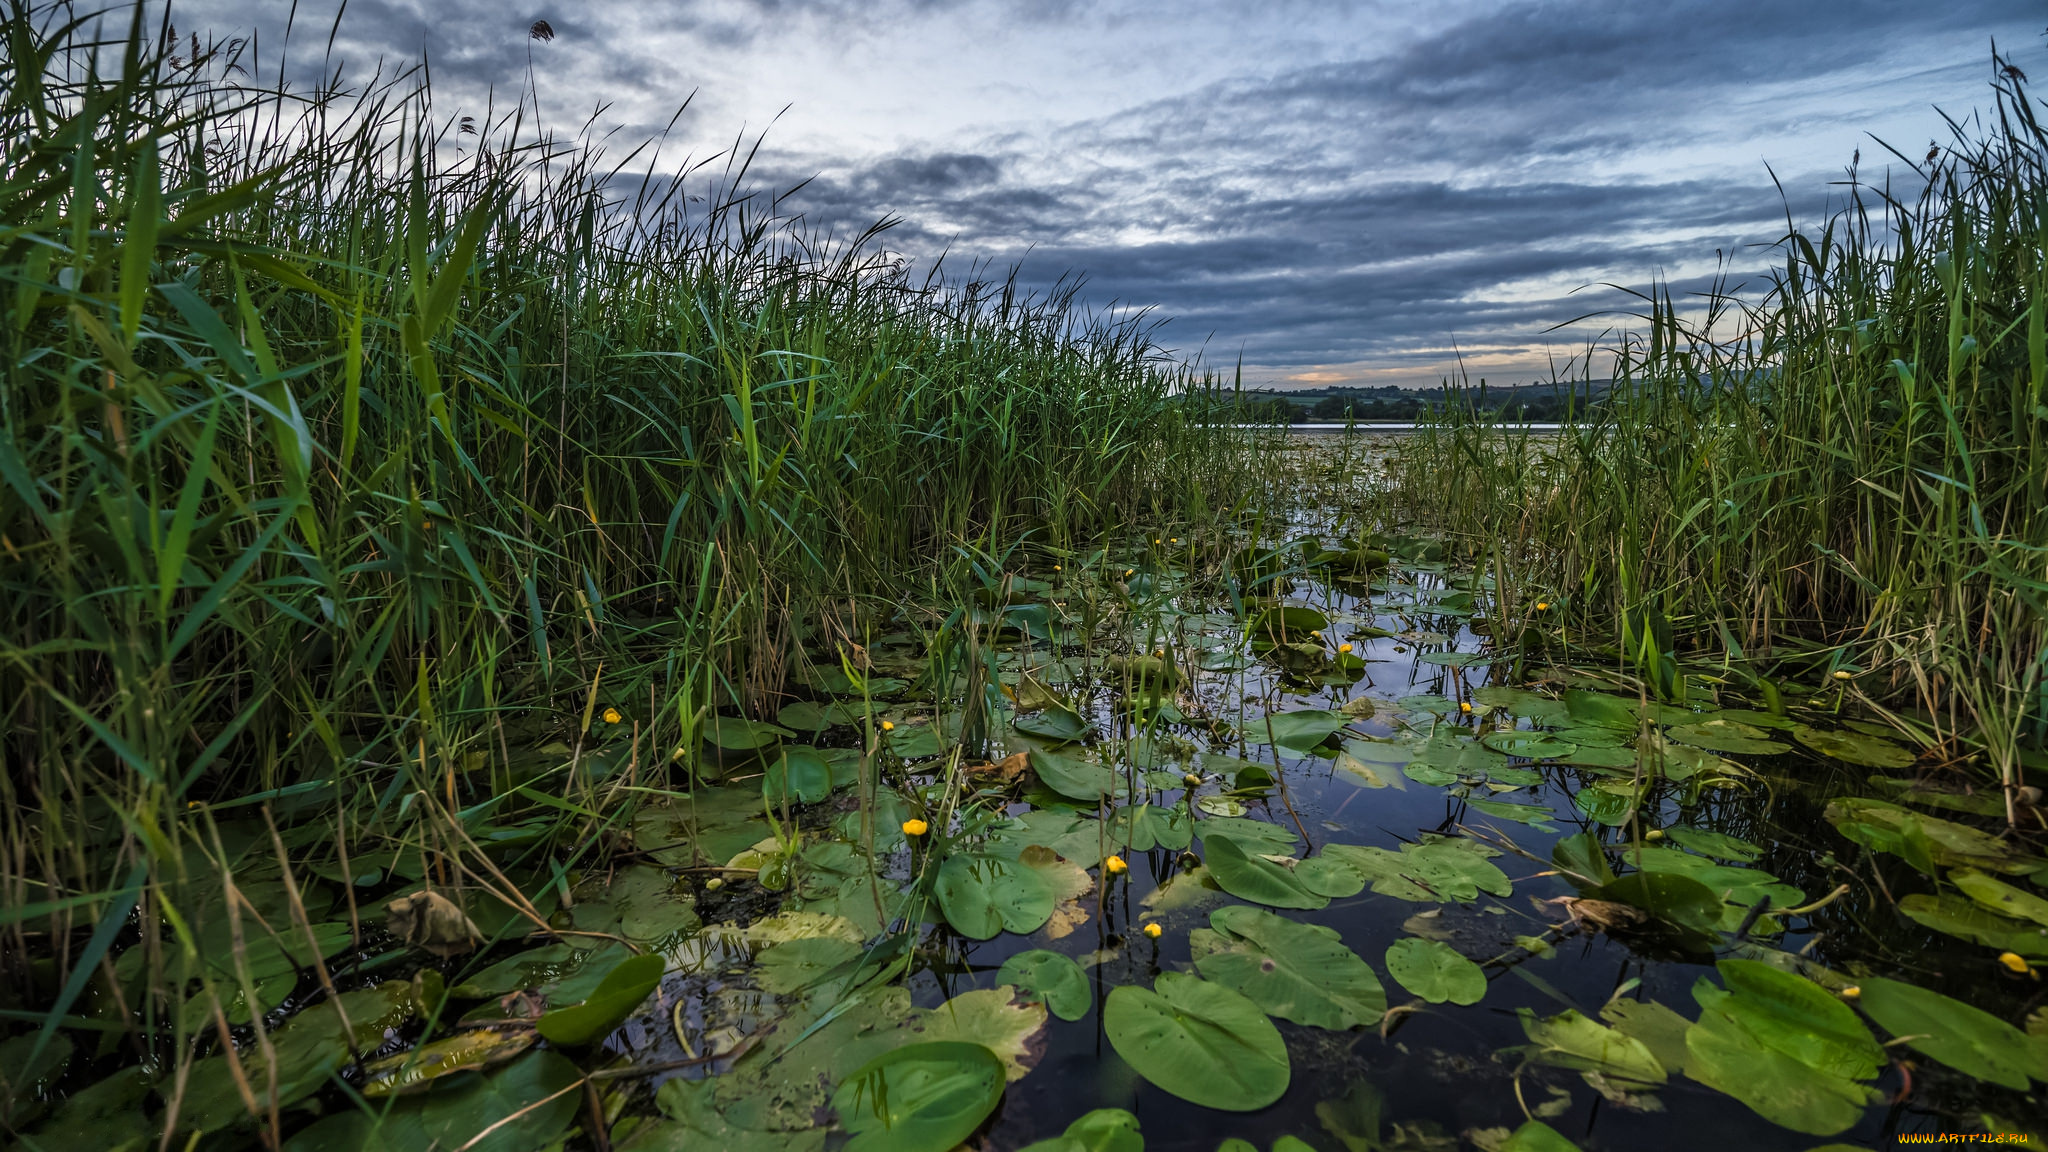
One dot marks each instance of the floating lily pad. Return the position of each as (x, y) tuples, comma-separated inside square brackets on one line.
[(1718, 844), (920, 1097), (1250, 877), (1531, 745), (622, 990), (1057, 722), (1222, 805), (1435, 971), (1199, 1041), (1725, 1057), (1965, 919), (915, 741), (1672, 898), (1854, 747), (1103, 1130), (1610, 802), (1297, 731), (1795, 1016), (1298, 972), (1051, 977), (527, 1104), (797, 774), (1726, 736), (1924, 841), (1968, 1039), (983, 895), (1075, 776), (1570, 1040), (1251, 835), (1287, 623), (735, 734), (1998, 896), (1534, 815), (1543, 710), (1599, 710), (1143, 827)]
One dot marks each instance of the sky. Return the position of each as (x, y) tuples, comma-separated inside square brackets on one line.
[(1327, 193)]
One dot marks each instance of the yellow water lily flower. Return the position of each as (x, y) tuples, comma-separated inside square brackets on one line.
[(1343, 647), (1056, 568), (1464, 707), (1128, 572), (1115, 865), (1851, 992), (1543, 605), (1843, 674), (1191, 780), (2016, 962), (915, 827), (1654, 834), (888, 725), (1154, 931), (611, 716)]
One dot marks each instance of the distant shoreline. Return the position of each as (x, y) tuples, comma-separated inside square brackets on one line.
[(1321, 429)]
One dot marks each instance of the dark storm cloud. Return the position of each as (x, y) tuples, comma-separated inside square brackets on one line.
[(1453, 181)]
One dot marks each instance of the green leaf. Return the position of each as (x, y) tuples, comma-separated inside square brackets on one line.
[(1074, 776), (735, 734), (1886, 827), (1199, 1041), (1570, 1040), (1435, 971), (1103, 1130), (1675, 899), (1716, 844), (1533, 815), (1726, 736), (2000, 897), (1451, 869), (915, 741), (527, 1104), (1726, 1057), (798, 774), (1609, 802), (1297, 731), (1142, 827), (1795, 1016), (1051, 977), (1968, 920), (106, 1116), (616, 996), (1535, 1136), (1287, 624), (1854, 747), (919, 1098), (1532, 745), (1968, 1039), (1582, 859), (1054, 722), (1655, 1026), (1598, 710), (985, 895), (1298, 972), (795, 965), (1251, 835), (1249, 877), (692, 1122)]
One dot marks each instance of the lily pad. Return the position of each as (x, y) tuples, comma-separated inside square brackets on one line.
[(1570, 1040), (1965, 919), (1287, 623), (1103, 1130), (983, 895), (1923, 840), (622, 990), (1718, 844), (1298, 972), (1854, 747), (1723, 1055), (800, 774), (1051, 977), (1968, 1039), (1726, 736), (736, 734), (527, 1104), (1534, 815), (1074, 776), (1672, 898), (1254, 878), (1998, 896), (915, 741), (1057, 722), (1251, 835), (1435, 971), (1297, 731), (1142, 827), (920, 1097), (1532, 745), (1599, 710), (1199, 1041), (1793, 1015)]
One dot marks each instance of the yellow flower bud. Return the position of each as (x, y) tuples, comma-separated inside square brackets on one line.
[(915, 827), (1654, 834), (611, 716), (1154, 931), (1543, 605), (1842, 674), (1464, 707), (1343, 647), (1191, 780), (1057, 568), (888, 725), (713, 884), (1115, 865), (1851, 992), (2015, 961)]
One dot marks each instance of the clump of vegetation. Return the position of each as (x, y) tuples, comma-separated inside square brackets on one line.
[(1835, 486)]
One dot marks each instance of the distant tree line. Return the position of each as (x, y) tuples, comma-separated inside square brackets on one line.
[(1535, 403)]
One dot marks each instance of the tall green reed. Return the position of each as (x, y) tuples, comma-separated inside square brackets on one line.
[(1840, 481), (342, 435)]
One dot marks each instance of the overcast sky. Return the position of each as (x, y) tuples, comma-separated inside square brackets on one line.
[(1335, 192)]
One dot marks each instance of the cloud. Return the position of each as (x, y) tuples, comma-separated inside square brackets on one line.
[(1330, 190)]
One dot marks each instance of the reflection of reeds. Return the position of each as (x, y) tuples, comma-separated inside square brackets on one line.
[(1844, 474), (339, 445)]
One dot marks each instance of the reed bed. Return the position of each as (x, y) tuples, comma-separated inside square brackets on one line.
[(1833, 485), (353, 446)]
